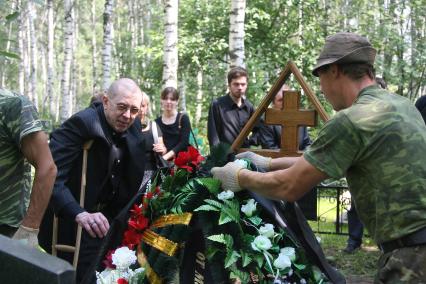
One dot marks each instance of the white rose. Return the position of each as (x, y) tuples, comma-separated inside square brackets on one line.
[(290, 252), (261, 243), (282, 262), (241, 163), (318, 239), (123, 257), (267, 230), (249, 208), (227, 194)]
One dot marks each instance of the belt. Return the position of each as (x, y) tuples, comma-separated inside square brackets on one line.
[(413, 239)]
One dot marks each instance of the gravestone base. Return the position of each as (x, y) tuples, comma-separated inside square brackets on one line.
[(23, 264)]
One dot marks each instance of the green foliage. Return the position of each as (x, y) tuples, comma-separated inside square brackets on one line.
[(275, 32), (9, 54)]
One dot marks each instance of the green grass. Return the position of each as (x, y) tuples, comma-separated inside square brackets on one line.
[(361, 265)]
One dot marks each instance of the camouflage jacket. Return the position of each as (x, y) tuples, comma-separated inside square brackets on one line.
[(379, 144), (18, 118)]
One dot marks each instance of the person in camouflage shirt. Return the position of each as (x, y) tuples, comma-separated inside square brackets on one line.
[(376, 140), (22, 142)]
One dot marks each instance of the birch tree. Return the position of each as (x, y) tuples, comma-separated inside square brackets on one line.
[(4, 60), (94, 47), (33, 54), (107, 47), (170, 64), (236, 33), (21, 46), (66, 103), (50, 98)]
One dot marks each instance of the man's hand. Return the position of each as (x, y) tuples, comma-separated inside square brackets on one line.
[(263, 163), (228, 175), (27, 235), (96, 224)]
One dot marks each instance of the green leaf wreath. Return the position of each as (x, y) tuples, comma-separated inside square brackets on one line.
[(241, 242)]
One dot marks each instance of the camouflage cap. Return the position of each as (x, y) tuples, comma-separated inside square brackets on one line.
[(345, 47)]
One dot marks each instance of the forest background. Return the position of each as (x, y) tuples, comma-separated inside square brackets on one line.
[(59, 53)]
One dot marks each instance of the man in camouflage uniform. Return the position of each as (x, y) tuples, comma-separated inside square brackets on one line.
[(22, 142), (376, 141)]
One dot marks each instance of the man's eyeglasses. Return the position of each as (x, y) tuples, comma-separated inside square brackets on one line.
[(122, 108)]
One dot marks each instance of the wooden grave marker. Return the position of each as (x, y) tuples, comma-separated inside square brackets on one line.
[(290, 116)]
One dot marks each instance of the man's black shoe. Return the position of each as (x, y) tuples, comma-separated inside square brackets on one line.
[(351, 249)]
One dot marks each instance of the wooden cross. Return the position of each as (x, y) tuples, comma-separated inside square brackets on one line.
[(290, 117)]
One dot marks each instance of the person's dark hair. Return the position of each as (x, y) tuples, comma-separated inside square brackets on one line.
[(356, 71), (237, 72), (97, 96), (421, 106), (381, 82), (172, 91)]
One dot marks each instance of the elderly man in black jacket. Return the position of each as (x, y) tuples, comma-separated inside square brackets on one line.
[(115, 168)]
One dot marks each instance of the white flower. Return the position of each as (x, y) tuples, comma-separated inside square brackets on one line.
[(227, 194), (282, 262), (241, 163), (261, 243), (318, 239), (123, 257), (290, 252), (249, 208), (267, 230)]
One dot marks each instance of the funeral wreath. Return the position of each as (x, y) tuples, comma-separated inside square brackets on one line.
[(239, 240)]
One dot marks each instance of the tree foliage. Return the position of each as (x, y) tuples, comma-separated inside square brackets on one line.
[(275, 31)]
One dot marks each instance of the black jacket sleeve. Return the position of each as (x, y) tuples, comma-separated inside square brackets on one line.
[(212, 128), (66, 146), (185, 129), (267, 137)]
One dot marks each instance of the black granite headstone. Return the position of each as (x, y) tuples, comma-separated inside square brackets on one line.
[(22, 264)]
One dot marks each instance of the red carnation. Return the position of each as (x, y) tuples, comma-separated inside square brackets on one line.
[(136, 210), (131, 238), (149, 195), (122, 281), (108, 260), (140, 223)]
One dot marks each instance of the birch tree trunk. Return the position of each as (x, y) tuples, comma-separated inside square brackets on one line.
[(21, 44), (170, 64), (199, 99), (107, 48), (134, 35), (74, 66), (94, 48), (33, 54), (26, 55), (66, 103), (236, 33), (50, 98), (182, 92), (5, 60)]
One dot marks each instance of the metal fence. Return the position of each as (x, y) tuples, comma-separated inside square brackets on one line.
[(332, 205)]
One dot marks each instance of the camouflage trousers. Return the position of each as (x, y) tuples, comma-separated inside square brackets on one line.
[(404, 265)]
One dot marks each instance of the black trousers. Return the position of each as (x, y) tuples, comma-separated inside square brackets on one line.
[(7, 230)]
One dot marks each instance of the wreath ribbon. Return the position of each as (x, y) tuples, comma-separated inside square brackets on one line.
[(159, 242)]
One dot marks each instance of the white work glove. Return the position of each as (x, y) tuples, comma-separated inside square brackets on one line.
[(228, 175), (263, 163), (27, 236)]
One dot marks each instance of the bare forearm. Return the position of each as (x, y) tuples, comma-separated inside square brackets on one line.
[(40, 195), (288, 184), (283, 163), (273, 185), (36, 150)]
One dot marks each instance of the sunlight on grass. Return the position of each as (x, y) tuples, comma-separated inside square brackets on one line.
[(362, 263)]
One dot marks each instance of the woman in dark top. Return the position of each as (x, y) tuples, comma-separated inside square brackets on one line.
[(175, 126), (153, 137)]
